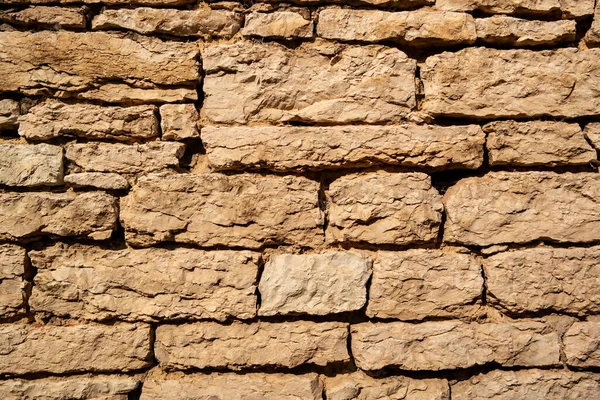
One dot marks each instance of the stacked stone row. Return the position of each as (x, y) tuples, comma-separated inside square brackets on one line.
[(306, 201)]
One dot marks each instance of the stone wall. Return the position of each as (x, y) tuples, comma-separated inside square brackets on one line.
[(345, 199)]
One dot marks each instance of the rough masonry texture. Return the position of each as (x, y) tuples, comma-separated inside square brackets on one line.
[(303, 200)]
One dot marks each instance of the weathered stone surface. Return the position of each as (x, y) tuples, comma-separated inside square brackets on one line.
[(203, 22), (452, 345), (489, 83), (179, 121), (54, 118), (121, 93), (107, 2), (9, 114), (124, 158), (147, 284), (383, 208), (318, 284), (582, 344), (537, 143), (360, 386), (307, 148), (569, 8), (90, 215), (411, 27), (33, 62), (111, 387), (27, 349), (416, 284), (31, 165), (12, 268), (512, 207), (214, 209), (62, 17), (541, 279), (521, 32), (235, 346), (394, 4), (273, 386), (99, 180), (278, 24), (528, 384), (592, 37), (320, 82)]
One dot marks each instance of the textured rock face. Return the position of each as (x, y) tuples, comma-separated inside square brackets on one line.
[(313, 83), (415, 27), (213, 209), (12, 268), (147, 284), (90, 215), (27, 165), (592, 133), (396, 4), (488, 83), (48, 16), (569, 8), (210, 345), (537, 143), (308, 148), (9, 114), (54, 119), (417, 284), (278, 24), (503, 30), (582, 344), (450, 345), (507, 207), (382, 207), (179, 121), (121, 93), (539, 279), (99, 180), (27, 349), (317, 284), (592, 38), (107, 2)]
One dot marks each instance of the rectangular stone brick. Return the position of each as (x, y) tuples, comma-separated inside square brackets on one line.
[(121, 93), (62, 17), (179, 121), (592, 134), (107, 2), (582, 344), (26, 165), (383, 208), (452, 345), (317, 284), (488, 83), (279, 24), (394, 4), (90, 215), (417, 284), (9, 114), (545, 279), (30, 349), (418, 28), (213, 209), (146, 284), (12, 268), (568, 8), (238, 346), (509, 31), (98, 180), (313, 148), (513, 207), (318, 83)]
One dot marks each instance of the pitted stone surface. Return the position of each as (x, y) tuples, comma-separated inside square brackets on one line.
[(582, 344), (278, 24), (25, 165), (12, 269)]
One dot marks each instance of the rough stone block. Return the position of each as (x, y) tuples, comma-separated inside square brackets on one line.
[(56, 17), (98, 180), (12, 268), (179, 121), (31, 165), (582, 345), (568, 8), (509, 31), (278, 24), (9, 114)]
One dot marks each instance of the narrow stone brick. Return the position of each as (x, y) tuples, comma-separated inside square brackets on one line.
[(592, 133), (514, 207), (61, 17), (30, 349), (179, 121), (98, 180), (107, 2), (501, 30), (278, 24), (214, 209), (394, 4), (12, 268), (417, 284), (383, 208), (9, 114), (582, 344), (568, 8), (31, 165), (237, 346), (451, 345), (147, 284), (121, 93)]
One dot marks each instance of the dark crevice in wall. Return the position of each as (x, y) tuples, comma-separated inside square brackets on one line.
[(136, 394), (259, 273), (484, 289)]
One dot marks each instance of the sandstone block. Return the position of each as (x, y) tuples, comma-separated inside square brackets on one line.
[(107, 2), (417, 28), (147, 284), (512, 207), (203, 22), (61, 17), (278, 24), (237, 346), (488, 83), (592, 37), (31, 165), (592, 133), (317, 284), (214, 209), (320, 83), (99, 180), (179, 121), (537, 143), (417, 284), (582, 344), (313, 148), (29, 349), (531, 384), (451, 345), (12, 268), (568, 8), (121, 93), (123, 158), (90, 215), (542, 279), (9, 114), (394, 4), (384, 208), (501, 30)]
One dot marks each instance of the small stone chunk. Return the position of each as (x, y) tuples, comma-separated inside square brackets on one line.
[(98, 180), (24, 165), (582, 345), (568, 8), (179, 121), (9, 114), (592, 133), (61, 17), (278, 24), (12, 268), (121, 93), (501, 30), (592, 37)]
